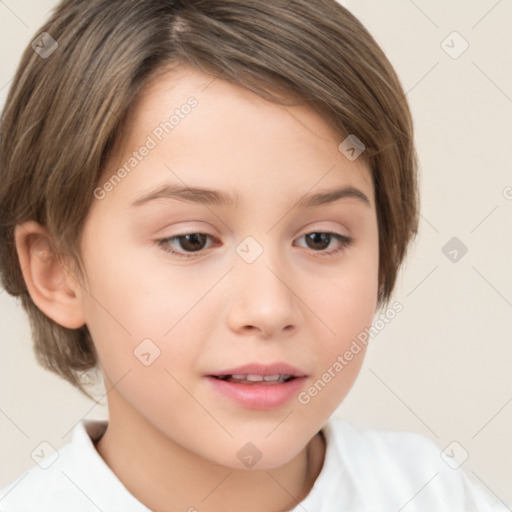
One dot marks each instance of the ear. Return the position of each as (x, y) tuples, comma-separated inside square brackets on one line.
[(51, 286)]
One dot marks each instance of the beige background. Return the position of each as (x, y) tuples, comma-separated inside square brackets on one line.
[(442, 366)]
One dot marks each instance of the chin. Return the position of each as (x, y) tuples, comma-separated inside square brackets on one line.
[(259, 455)]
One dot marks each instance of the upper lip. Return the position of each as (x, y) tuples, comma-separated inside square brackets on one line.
[(278, 368)]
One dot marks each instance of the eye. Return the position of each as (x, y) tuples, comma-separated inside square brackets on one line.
[(320, 240), (192, 243)]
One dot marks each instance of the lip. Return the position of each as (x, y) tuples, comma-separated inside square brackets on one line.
[(262, 369), (259, 396)]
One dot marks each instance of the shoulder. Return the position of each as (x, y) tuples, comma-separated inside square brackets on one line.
[(73, 478), (45, 486), (406, 467), (389, 448)]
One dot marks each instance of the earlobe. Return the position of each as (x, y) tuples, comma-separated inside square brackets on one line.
[(51, 286)]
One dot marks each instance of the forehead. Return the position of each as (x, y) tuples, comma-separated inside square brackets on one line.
[(232, 138)]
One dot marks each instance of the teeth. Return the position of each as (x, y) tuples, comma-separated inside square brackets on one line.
[(260, 378), (254, 378)]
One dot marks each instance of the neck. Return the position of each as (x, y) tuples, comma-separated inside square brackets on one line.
[(166, 476)]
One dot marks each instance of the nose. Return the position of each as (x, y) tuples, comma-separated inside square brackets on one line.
[(262, 299)]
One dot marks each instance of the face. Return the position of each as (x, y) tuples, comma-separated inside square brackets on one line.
[(184, 287)]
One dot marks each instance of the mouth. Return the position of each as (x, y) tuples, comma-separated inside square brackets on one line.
[(255, 380), (257, 373), (258, 386)]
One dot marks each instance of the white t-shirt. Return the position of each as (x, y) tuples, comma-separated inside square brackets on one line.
[(364, 469)]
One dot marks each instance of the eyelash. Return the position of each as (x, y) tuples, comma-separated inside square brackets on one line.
[(163, 243)]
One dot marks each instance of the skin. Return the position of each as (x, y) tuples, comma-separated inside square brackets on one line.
[(172, 440)]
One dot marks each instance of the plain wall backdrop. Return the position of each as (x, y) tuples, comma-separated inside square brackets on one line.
[(442, 366)]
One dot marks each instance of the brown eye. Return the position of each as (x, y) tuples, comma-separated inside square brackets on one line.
[(319, 241), (192, 242), (188, 244), (185, 243)]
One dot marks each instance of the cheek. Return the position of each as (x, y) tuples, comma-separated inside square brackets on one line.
[(136, 312), (131, 296), (346, 307), (345, 299)]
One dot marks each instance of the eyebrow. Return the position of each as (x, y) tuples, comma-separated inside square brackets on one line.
[(214, 197)]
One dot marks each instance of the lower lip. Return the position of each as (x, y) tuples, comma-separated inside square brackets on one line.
[(258, 396)]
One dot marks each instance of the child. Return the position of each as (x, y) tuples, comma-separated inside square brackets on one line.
[(276, 133)]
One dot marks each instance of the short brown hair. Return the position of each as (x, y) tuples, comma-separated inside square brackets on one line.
[(65, 112)]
